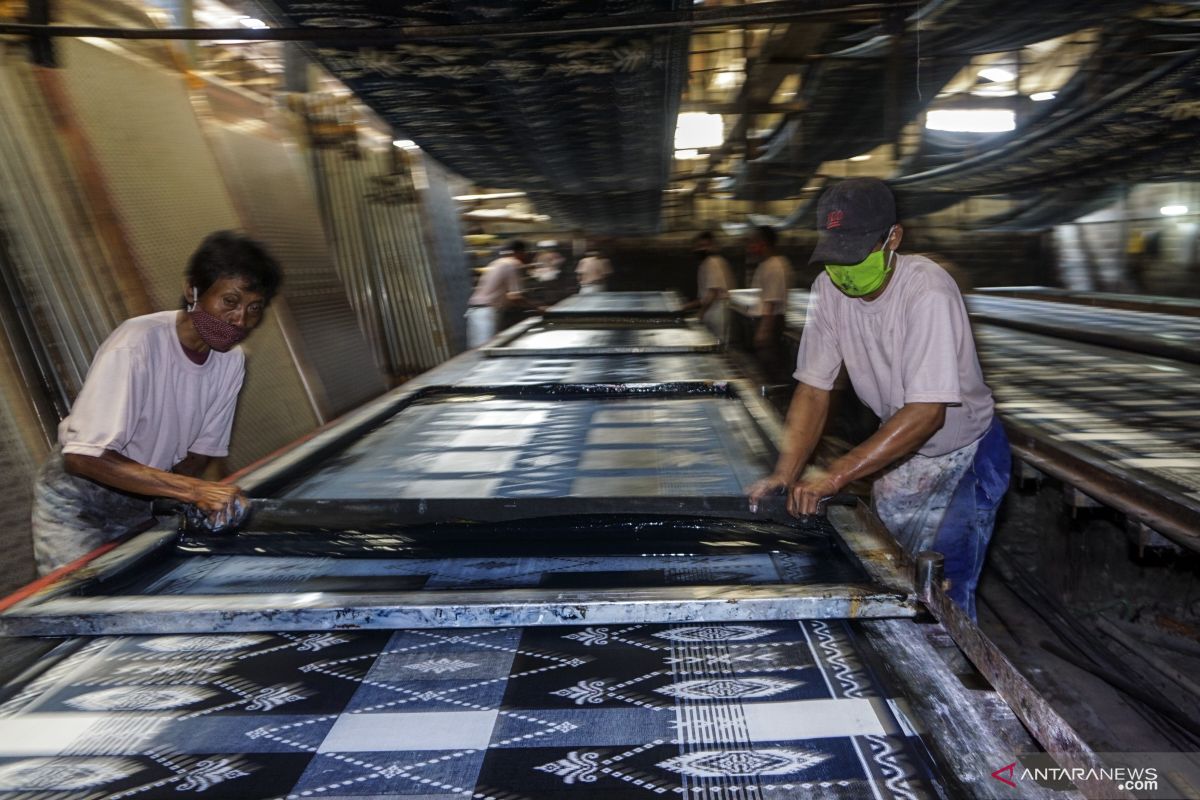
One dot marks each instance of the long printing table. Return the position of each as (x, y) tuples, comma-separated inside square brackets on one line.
[(548, 587)]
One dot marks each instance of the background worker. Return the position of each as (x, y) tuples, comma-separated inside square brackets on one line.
[(157, 404), (899, 324), (498, 290), (772, 278), (593, 271), (714, 279)]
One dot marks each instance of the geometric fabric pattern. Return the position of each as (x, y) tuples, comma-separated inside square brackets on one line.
[(489, 447), (587, 339), (807, 563), (762, 710), (597, 369)]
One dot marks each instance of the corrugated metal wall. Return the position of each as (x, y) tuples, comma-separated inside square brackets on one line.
[(167, 191), (398, 252), (451, 268), (266, 177), (115, 165)]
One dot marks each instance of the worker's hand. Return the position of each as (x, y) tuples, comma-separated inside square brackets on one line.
[(805, 495), (772, 484), (222, 504)]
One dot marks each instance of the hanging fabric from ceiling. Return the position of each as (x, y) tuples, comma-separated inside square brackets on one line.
[(1145, 130), (846, 94), (582, 122), (1044, 210)]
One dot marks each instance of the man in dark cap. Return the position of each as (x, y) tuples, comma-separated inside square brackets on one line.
[(899, 325)]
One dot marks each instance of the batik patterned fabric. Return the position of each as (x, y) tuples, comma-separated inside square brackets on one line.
[(582, 122), (809, 562), (589, 340), (778, 710), (550, 448), (599, 369), (617, 303)]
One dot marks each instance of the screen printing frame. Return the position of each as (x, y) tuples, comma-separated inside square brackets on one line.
[(75, 604), (501, 345), (569, 308)]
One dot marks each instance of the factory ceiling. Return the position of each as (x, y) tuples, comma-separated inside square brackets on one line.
[(575, 102), (581, 121)]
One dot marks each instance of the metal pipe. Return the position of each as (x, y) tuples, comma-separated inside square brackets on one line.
[(1147, 504)]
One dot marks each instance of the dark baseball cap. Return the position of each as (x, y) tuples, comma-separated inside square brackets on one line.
[(852, 216)]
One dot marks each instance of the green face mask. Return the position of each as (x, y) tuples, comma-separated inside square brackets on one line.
[(863, 278)]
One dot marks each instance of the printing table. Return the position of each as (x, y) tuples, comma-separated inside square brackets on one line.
[(534, 589)]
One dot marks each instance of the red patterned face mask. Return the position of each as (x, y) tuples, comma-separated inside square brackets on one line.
[(216, 333)]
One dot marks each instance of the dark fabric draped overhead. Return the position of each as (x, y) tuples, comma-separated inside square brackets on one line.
[(1050, 208), (1144, 130), (846, 95), (583, 122)]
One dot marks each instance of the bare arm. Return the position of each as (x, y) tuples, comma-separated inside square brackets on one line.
[(904, 433), (115, 470), (802, 430), (713, 295), (518, 300)]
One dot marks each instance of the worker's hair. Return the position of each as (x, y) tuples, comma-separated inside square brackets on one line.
[(705, 236), (767, 234), (517, 246), (230, 254)]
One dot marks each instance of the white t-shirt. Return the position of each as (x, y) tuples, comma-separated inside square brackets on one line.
[(499, 278), (143, 397), (771, 279), (912, 344), (714, 274), (593, 269)]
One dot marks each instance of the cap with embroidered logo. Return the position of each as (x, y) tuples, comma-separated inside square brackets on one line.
[(852, 216)]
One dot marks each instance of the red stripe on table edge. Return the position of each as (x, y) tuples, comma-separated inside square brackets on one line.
[(33, 588)]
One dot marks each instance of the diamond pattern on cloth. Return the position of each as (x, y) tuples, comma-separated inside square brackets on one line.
[(771, 710)]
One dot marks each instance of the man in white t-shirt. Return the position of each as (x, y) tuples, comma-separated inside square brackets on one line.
[(593, 271), (157, 404), (899, 325), (499, 289), (772, 278), (714, 279)]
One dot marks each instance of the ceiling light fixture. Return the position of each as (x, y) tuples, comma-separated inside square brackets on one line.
[(405, 144), (695, 130), (726, 79), (971, 120), (1038, 97), (863, 157), (251, 22), (1173, 211), (997, 74)]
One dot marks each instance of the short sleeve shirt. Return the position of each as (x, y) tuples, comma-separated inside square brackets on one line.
[(499, 279), (593, 269), (912, 344), (714, 274), (771, 279), (143, 398)]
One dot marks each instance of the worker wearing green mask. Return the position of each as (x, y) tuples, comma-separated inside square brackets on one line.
[(940, 459)]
